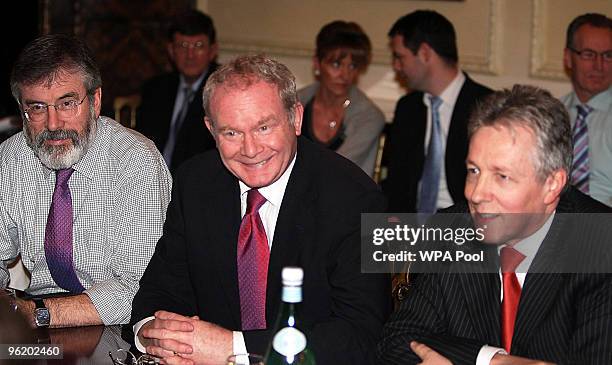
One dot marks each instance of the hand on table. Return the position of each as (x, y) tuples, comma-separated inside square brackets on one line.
[(184, 340)]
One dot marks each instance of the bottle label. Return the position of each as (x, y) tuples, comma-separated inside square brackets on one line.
[(289, 341), (292, 294)]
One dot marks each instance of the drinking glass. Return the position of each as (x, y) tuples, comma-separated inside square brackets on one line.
[(126, 357), (245, 359)]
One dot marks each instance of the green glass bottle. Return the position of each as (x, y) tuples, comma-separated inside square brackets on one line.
[(289, 344)]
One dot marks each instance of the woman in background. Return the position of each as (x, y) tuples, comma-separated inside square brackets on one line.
[(336, 113)]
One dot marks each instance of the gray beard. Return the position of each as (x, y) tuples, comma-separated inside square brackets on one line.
[(61, 157)]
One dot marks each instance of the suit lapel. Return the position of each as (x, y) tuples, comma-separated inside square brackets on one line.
[(539, 293), (457, 140), (290, 231), (481, 292), (541, 284), (225, 225), (168, 107)]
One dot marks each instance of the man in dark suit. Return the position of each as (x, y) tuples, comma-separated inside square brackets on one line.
[(312, 200), (423, 176), (519, 158), (171, 112)]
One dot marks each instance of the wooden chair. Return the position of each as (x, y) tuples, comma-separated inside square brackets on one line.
[(131, 102), (378, 169)]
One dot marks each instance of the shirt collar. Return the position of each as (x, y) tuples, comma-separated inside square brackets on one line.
[(194, 87), (599, 102), (450, 94), (530, 245), (274, 192)]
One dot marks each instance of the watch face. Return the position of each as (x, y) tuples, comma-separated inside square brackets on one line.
[(42, 317)]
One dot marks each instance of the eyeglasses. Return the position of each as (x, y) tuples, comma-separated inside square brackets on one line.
[(125, 357), (184, 46), (590, 55), (67, 108)]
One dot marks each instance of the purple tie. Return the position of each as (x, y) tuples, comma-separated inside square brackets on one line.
[(58, 235), (253, 257)]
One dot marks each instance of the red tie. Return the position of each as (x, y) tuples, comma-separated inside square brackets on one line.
[(510, 259), (253, 256)]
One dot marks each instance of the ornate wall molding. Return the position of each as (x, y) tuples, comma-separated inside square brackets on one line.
[(487, 63), (540, 64)]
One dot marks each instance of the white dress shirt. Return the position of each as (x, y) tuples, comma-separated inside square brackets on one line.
[(449, 98)]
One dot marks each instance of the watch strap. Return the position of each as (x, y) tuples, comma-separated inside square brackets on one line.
[(39, 303)]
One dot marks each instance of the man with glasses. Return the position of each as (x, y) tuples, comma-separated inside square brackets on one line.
[(82, 199), (171, 112), (588, 58)]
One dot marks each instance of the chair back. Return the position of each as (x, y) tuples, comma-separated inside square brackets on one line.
[(379, 158), (129, 102)]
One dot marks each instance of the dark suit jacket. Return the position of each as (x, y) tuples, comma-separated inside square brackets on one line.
[(154, 117), (405, 147), (563, 318), (193, 270)]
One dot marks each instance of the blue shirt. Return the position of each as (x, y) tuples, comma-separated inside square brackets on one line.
[(599, 123)]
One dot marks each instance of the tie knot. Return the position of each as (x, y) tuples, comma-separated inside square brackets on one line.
[(188, 92), (584, 110), (62, 176), (435, 102), (510, 259), (254, 201)]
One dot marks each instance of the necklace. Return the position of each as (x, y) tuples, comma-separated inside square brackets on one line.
[(332, 123)]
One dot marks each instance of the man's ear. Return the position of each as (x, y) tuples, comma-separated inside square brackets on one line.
[(209, 125), (424, 52), (567, 59), (554, 185), (97, 101), (299, 115), (214, 50), (170, 49)]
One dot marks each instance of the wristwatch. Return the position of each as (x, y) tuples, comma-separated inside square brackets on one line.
[(42, 317)]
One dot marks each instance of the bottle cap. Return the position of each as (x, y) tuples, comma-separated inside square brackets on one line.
[(292, 276)]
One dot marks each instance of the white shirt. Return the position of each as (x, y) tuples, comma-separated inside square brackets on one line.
[(449, 98), (529, 248), (268, 213)]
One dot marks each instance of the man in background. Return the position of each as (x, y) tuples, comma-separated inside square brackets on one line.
[(171, 112), (427, 142), (213, 285), (82, 199), (588, 58)]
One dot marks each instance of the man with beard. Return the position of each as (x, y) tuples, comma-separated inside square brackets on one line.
[(82, 199), (531, 306)]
